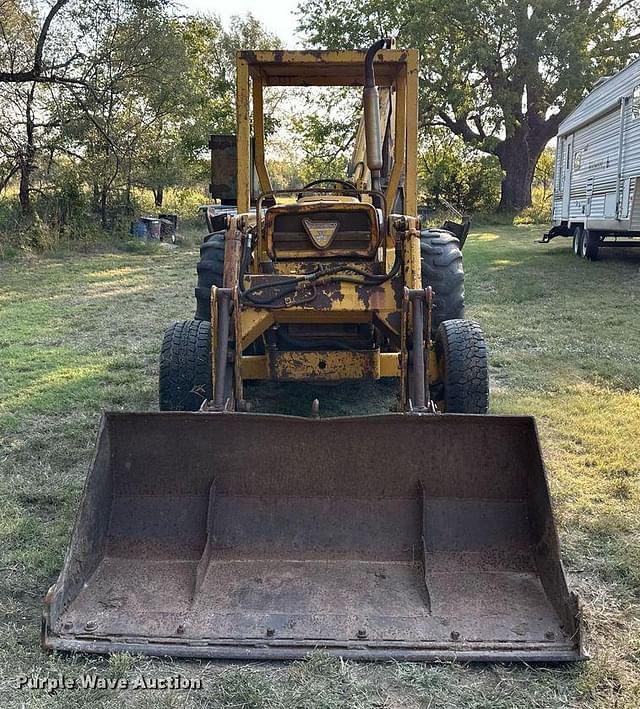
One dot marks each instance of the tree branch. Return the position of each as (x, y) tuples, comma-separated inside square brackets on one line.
[(35, 73), (460, 127)]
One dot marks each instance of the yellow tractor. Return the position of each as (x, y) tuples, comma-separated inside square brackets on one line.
[(209, 531)]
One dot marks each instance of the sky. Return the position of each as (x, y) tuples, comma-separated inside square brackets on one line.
[(276, 15)]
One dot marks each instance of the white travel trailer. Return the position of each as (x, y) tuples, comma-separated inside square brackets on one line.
[(596, 197)]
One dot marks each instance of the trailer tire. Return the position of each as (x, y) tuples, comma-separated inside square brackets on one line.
[(210, 271), (577, 240), (442, 269), (590, 245), (462, 360), (185, 366)]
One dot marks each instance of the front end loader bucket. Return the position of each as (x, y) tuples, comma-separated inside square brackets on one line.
[(260, 536)]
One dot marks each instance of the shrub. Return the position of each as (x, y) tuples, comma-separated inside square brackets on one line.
[(539, 212)]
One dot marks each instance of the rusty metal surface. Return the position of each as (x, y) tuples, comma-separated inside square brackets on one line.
[(355, 230), (221, 304), (326, 199), (320, 67), (324, 365), (240, 536)]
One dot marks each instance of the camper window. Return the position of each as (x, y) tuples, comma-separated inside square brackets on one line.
[(635, 103)]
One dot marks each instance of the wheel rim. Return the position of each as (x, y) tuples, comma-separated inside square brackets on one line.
[(585, 244), (576, 241)]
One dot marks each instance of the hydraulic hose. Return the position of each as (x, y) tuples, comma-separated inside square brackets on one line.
[(281, 288)]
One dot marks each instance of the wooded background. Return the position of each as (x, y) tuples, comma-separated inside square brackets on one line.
[(106, 106)]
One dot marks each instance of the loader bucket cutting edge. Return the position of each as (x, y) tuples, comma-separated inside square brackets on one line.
[(263, 536)]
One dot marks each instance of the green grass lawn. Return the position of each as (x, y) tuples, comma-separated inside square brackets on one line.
[(81, 333)]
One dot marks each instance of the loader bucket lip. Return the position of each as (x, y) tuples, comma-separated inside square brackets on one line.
[(272, 651), (564, 645)]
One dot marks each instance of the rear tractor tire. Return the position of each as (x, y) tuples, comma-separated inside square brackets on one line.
[(462, 360), (442, 270), (185, 366), (210, 270)]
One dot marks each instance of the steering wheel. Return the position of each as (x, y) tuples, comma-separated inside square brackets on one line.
[(348, 186)]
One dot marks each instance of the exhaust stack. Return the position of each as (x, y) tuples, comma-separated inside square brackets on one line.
[(371, 101)]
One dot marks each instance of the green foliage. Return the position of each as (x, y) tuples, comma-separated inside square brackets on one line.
[(183, 201), (501, 75), (314, 138), (451, 170), (138, 91), (544, 172), (542, 193), (208, 84), (286, 167), (61, 214), (538, 213), (326, 133)]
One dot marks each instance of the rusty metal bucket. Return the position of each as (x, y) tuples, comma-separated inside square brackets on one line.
[(260, 536)]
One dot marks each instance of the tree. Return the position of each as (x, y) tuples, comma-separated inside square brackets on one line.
[(16, 68), (115, 93), (22, 42), (501, 74), (49, 58), (451, 170), (209, 80), (543, 174), (322, 129), (135, 65)]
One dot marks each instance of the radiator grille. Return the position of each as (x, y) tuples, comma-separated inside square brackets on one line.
[(353, 237)]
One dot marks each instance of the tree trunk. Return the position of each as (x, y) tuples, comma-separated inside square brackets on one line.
[(95, 198), (27, 160), (518, 157), (104, 194), (158, 196), (24, 194)]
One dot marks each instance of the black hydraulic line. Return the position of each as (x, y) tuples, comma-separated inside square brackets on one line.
[(321, 276)]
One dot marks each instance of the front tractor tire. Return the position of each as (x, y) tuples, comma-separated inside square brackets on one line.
[(461, 354), (442, 270), (185, 366)]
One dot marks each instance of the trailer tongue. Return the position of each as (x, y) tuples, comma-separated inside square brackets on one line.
[(258, 536)]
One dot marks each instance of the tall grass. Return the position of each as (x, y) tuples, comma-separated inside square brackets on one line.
[(64, 219)]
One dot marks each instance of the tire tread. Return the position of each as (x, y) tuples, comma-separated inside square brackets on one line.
[(185, 366), (461, 347), (210, 270), (442, 269)]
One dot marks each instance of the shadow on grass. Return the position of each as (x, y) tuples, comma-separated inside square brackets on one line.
[(341, 399)]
